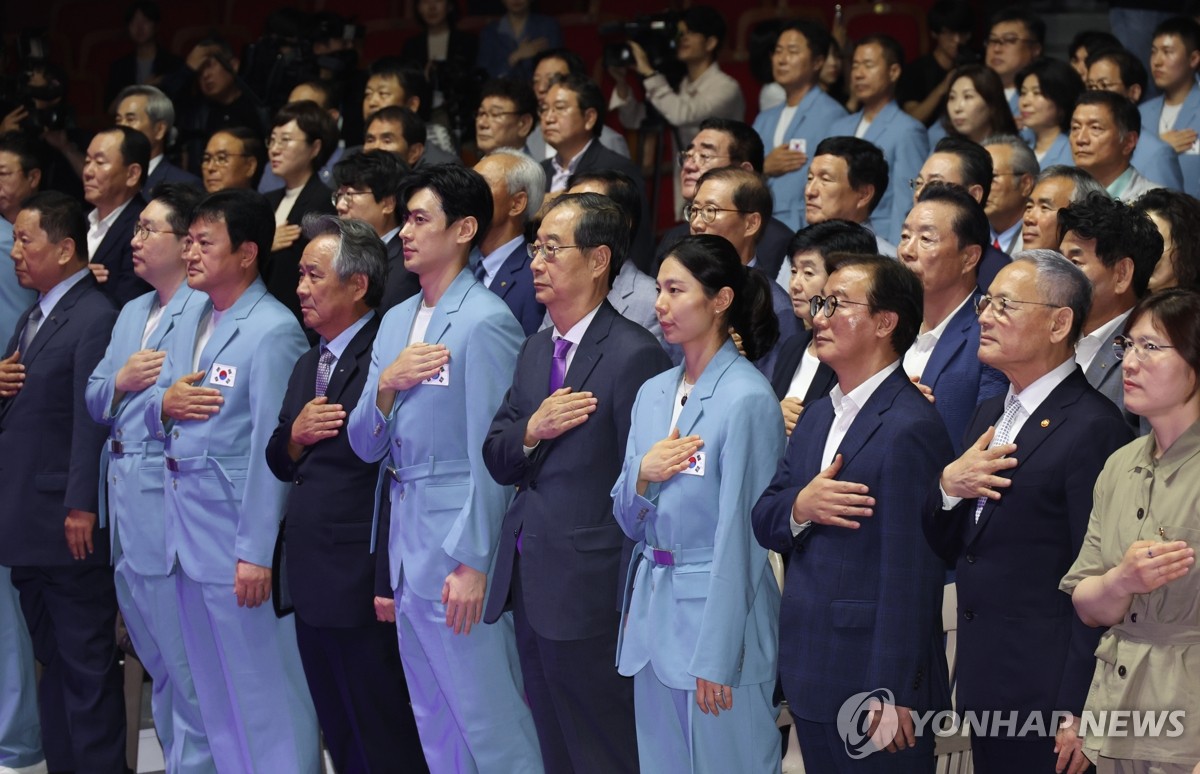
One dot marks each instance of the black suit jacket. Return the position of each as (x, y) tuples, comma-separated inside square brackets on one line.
[(166, 172), (573, 550), (330, 571), (280, 270), (1021, 645), (116, 254), (402, 284), (788, 360), (771, 251), (49, 446)]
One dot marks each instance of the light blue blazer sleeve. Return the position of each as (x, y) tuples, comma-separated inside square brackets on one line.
[(126, 339), (367, 426)]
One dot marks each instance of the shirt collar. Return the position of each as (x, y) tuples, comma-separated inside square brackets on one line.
[(858, 397), (1035, 394), (575, 335), (343, 339), (935, 335), (389, 236), (1105, 333), (55, 294), (95, 221), (153, 165), (1185, 447), (1117, 188), (570, 167), (1006, 237), (495, 259)]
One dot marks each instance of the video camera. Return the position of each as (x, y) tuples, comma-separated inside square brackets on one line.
[(657, 34)]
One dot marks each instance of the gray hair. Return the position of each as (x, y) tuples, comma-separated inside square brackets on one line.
[(526, 175), (1024, 160), (359, 251), (1061, 283), (1083, 182), (158, 105)]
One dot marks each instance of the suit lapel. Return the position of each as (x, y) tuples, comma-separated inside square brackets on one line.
[(591, 348), (953, 339), (880, 123), (175, 307), (227, 327), (706, 385), (822, 383), (510, 271), (58, 318), (448, 305), (347, 364), (1102, 368), (1191, 108), (868, 421)]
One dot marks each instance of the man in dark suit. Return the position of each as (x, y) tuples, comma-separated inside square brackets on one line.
[(861, 607), (941, 240), (351, 660), (49, 467), (149, 111), (114, 172), (1014, 512), (559, 436), (367, 188), (502, 260)]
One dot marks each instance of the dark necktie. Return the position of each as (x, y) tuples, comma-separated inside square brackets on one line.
[(558, 366), (324, 369), (480, 272), (31, 328)]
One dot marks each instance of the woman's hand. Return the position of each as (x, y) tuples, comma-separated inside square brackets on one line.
[(1152, 564), (711, 698), (666, 458)]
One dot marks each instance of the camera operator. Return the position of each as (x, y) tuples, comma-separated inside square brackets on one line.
[(38, 108), (223, 100), (925, 83)]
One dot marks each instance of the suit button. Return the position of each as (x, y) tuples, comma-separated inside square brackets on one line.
[(969, 615), (970, 558), (1133, 617), (176, 434), (1121, 671), (516, 533), (1141, 513), (299, 480)]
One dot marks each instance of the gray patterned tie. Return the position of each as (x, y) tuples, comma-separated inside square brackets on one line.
[(1003, 430), (31, 328), (324, 369)]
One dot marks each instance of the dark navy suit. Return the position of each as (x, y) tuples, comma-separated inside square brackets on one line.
[(166, 172), (351, 660), (990, 264), (280, 270), (1021, 646), (401, 283), (514, 283), (116, 254), (788, 360), (565, 583), (771, 250)]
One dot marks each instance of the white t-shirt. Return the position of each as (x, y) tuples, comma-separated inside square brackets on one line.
[(785, 122), (421, 323), (803, 377), (1170, 113)]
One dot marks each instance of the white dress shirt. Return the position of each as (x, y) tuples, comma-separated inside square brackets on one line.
[(1089, 346), (98, 229), (803, 377), (917, 356), (558, 182)]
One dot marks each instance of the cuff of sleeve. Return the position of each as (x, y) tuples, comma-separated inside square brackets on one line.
[(948, 502), (798, 528), (529, 449)]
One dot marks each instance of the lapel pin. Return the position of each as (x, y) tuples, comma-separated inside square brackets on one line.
[(1045, 423), (503, 284)]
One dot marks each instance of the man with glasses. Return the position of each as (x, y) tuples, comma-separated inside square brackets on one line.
[(1015, 38), (572, 117), (506, 116), (1117, 247), (368, 189), (1014, 172), (1015, 508), (864, 591)]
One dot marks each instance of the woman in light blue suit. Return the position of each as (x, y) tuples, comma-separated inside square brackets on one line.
[(1048, 90), (701, 621)]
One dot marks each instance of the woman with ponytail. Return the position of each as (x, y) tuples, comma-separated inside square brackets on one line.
[(701, 611)]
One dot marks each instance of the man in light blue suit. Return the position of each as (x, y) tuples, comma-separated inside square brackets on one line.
[(793, 129), (1175, 58), (214, 407), (874, 71), (132, 469), (439, 368)]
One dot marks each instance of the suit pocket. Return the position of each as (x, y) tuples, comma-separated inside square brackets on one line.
[(446, 497), (853, 614), (50, 482), (152, 478), (355, 532), (690, 585), (605, 537)]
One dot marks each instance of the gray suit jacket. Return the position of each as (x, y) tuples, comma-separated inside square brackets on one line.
[(1104, 374)]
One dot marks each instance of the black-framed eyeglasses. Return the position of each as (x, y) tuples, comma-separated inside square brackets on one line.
[(1000, 305), (829, 304), (1143, 352), (145, 231), (337, 196), (550, 251), (707, 213)]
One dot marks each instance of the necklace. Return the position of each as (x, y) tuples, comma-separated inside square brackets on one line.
[(686, 389)]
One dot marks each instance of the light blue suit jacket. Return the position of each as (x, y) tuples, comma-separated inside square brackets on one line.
[(905, 144), (1189, 118), (446, 509), (813, 121), (224, 504), (133, 475), (715, 614), (14, 299), (1059, 152)]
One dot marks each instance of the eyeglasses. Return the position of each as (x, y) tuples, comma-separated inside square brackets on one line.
[(144, 231), (703, 159), (707, 213), (221, 159), (494, 115), (1143, 352), (281, 142), (829, 304), (550, 251), (555, 110), (1105, 85), (339, 195), (1006, 41), (917, 183), (1000, 304)]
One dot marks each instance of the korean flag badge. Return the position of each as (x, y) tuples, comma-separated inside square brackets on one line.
[(222, 375), (441, 378), (695, 465)]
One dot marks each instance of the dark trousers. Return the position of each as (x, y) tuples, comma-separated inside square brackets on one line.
[(71, 613), (582, 707), (1029, 755), (358, 689), (824, 750)]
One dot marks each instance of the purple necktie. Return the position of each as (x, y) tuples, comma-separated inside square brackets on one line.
[(558, 366), (324, 370)]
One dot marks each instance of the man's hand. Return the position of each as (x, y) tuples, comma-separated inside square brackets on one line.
[(415, 363), (99, 271), (974, 473), (385, 609), (563, 410), (925, 389), (285, 236), (1180, 139), (183, 400), (79, 527), (141, 370), (783, 160), (791, 413), (12, 121), (527, 49), (251, 584), (1069, 746), (903, 736), (711, 697), (12, 375), (828, 501), (462, 594), (666, 458), (318, 420)]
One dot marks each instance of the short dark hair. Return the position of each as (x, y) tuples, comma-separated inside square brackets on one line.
[(378, 170), (246, 214), (750, 193), (1133, 72), (973, 160), (619, 187), (316, 124), (589, 96), (865, 163), (135, 148), (833, 236), (1034, 24), (970, 222), (1183, 27), (1092, 41), (745, 144), (815, 34), (330, 91), (1182, 213), (893, 52), (1058, 82), (180, 199), (359, 251), (412, 126), (30, 152), (520, 93), (894, 288), (707, 21), (714, 262), (412, 81), (1124, 113), (61, 217), (568, 57), (461, 191), (953, 15), (1119, 230), (252, 145), (147, 8), (1176, 312), (602, 221)]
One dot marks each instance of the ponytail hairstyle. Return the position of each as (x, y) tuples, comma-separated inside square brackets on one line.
[(714, 262)]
